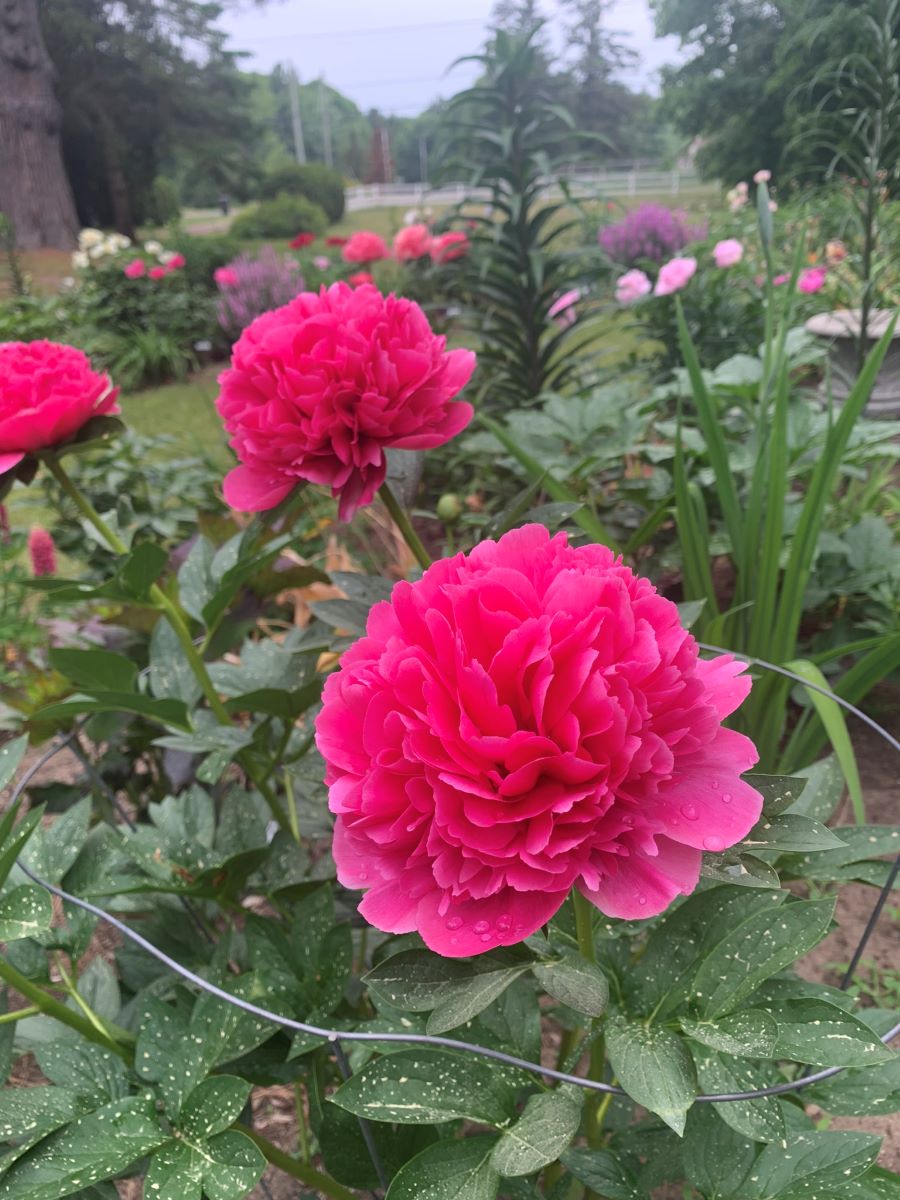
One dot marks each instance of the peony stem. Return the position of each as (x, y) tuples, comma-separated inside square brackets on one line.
[(584, 929), (401, 520), (291, 1166)]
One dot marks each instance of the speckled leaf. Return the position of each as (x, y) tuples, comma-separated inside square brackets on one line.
[(823, 1035), (53, 848), (576, 982), (791, 833), (861, 842), (97, 1146), (716, 1158), (778, 791), (11, 754), (236, 1166), (93, 1071), (761, 946), (168, 1055), (654, 1067), (811, 1165), (762, 1119), (750, 1033), (449, 1170), (413, 980), (865, 1093), (823, 792), (175, 1173), (418, 1087), (462, 1000), (213, 1105), (545, 1129), (37, 1110), (25, 912), (604, 1173)]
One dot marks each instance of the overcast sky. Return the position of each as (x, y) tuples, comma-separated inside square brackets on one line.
[(394, 54)]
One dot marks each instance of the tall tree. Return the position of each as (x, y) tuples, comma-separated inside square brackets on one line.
[(34, 191), (517, 16), (599, 101)]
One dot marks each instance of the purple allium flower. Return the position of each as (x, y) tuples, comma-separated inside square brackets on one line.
[(650, 231)]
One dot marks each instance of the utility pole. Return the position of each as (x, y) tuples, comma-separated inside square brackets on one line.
[(386, 155), (325, 110), (296, 121), (423, 158)]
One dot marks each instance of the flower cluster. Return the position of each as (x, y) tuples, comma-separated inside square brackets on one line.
[(319, 389), (675, 274), (42, 552), (650, 232), (251, 284), (94, 246), (738, 196), (169, 262), (524, 719)]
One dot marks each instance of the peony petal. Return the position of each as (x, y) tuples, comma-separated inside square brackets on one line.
[(643, 886), (476, 926), (10, 460), (727, 685), (248, 489)]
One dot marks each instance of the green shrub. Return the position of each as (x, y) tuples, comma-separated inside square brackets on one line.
[(323, 185), (29, 318), (203, 255), (165, 202), (282, 217)]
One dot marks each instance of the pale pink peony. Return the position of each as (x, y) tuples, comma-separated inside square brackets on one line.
[(762, 176), (448, 247), (318, 390), (226, 277), (728, 253), (673, 275), (135, 269), (524, 719), (413, 241), (321, 262), (564, 310), (632, 286), (365, 247), (812, 280), (42, 552), (48, 391)]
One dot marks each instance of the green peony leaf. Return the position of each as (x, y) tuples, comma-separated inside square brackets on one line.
[(811, 1165), (604, 1172), (750, 1033), (717, 1159), (24, 912), (574, 981), (544, 1130), (819, 1033), (654, 1067), (449, 1170), (719, 1074), (213, 1105)]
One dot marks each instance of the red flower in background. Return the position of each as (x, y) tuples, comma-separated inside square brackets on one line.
[(365, 247), (336, 241), (135, 269), (449, 246), (413, 241), (301, 240), (360, 277)]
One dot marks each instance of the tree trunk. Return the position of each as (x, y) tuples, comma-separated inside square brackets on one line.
[(35, 193)]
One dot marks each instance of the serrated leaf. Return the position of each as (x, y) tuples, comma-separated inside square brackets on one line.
[(575, 982), (545, 1129), (654, 1067), (819, 1033), (419, 1087), (213, 1105), (760, 947), (449, 1170), (97, 1146), (761, 1120), (716, 1158), (811, 1164), (750, 1033), (24, 912), (791, 833), (604, 1173)]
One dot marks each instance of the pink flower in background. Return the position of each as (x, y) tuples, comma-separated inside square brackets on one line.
[(225, 277), (780, 279), (175, 262), (42, 552), (135, 269), (360, 278), (728, 253), (365, 247), (811, 280), (413, 241), (773, 206), (631, 286), (650, 231), (762, 176), (158, 272), (300, 240), (318, 389), (563, 310), (524, 719), (321, 262), (448, 247), (674, 275), (48, 391)]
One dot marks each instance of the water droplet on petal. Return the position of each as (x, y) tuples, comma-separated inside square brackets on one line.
[(727, 797), (481, 927), (689, 812), (714, 844), (455, 923), (485, 937), (642, 900), (503, 922)]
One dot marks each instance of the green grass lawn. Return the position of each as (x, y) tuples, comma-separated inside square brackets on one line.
[(184, 410)]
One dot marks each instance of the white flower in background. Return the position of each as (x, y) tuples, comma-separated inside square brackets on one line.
[(90, 237), (411, 216), (101, 249), (118, 241), (153, 247), (166, 256), (68, 283), (80, 261)]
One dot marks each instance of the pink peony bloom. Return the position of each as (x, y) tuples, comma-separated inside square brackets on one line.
[(365, 247), (413, 241), (360, 277), (448, 247), (318, 390), (811, 280), (176, 262), (631, 286), (728, 253), (47, 392), (42, 552), (321, 262), (135, 269), (226, 277), (158, 272), (524, 719), (780, 279), (563, 310), (762, 176), (673, 275)]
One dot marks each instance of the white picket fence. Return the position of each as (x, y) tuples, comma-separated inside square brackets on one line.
[(614, 182)]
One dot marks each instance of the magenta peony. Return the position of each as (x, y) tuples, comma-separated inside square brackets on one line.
[(674, 275), (413, 241), (226, 277), (448, 247), (812, 280), (318, 390), (728, 253), (365, 247), (631, 286), (524, 719), (135, 269), (48, 391), (157, 273), (42, 552)]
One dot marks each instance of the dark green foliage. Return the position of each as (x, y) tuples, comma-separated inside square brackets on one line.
[(165, 202), (281, 218), (320, 184)]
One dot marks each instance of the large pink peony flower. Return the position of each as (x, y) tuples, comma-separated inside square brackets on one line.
[(631, 286), (674, 275), (365, 247), (47, 392), (319, 388), (728, 253), (413, 241), (526, 718)]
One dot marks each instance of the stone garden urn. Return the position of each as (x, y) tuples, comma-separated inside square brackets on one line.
[(841, 330)]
